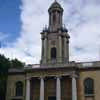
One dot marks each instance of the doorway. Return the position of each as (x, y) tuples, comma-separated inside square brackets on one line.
[(52, 98)]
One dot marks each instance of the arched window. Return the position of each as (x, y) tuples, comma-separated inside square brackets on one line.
[(19, 88), (89, 86), (53, 53)]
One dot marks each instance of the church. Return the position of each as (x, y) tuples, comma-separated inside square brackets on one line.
[(55, 78)]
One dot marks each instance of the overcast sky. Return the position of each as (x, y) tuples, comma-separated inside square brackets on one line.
[(21, 22)]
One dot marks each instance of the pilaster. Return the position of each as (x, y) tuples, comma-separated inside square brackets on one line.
[(60, 49)]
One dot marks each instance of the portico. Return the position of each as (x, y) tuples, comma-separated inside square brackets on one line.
[(51, 87)]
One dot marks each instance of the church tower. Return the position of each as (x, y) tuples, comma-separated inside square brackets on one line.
[(55, 38)]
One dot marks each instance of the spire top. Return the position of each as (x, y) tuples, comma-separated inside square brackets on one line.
[(55, 4), (56, 0)]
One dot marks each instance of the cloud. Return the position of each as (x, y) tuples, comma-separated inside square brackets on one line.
[(16, 53), (82, 18), (85, 32)]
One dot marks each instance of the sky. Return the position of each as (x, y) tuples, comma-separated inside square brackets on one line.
[(21, 22)]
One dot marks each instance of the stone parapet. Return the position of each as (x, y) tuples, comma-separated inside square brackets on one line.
[(89, 64), (57, 65)]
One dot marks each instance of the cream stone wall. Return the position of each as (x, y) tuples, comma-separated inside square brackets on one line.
[(95, 75), (11, 82)]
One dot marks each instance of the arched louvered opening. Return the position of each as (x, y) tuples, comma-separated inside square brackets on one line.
[(53, 53)]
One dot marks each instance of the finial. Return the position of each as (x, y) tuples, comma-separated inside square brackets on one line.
[(55, 0)]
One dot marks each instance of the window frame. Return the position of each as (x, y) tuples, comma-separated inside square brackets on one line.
[(89, 90), (19, 87)]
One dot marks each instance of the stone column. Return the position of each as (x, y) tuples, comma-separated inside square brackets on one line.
[(27, 89), (60, 50), (74, 88), (45, 49), (41, 88), (42, 52), (58, 88), (67, 47), (65, 50)]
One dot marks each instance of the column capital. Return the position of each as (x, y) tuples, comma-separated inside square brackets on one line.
[(28, 78), (42, 77), (58, 77), (73, 76)]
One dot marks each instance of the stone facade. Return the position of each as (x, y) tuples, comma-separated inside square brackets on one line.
[(11, 86), (79, 71), (55, 78)]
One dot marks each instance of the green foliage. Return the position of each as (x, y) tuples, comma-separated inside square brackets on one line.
[(5, 64), (16, 63)]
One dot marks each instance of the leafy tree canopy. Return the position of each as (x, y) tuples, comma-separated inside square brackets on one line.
[(15, 63), (5, 64)]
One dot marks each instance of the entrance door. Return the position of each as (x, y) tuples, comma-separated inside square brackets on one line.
[(16, 99), (52, 98)]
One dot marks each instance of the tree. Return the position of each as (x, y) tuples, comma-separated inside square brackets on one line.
[(5, 64), (16, 63)]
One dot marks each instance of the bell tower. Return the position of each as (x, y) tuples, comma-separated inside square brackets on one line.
[(55, 38), (55, 16)]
